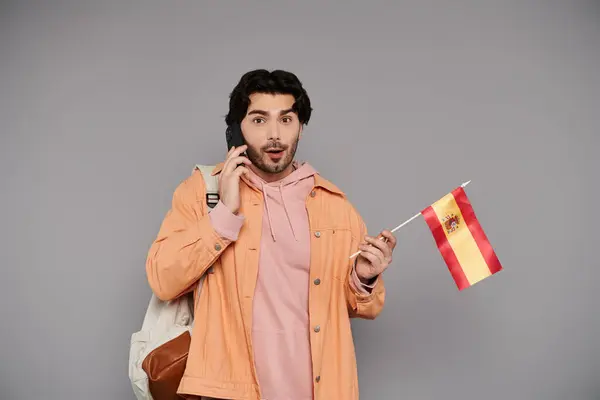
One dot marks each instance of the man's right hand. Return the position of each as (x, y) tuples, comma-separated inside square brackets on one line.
[(229, 180)]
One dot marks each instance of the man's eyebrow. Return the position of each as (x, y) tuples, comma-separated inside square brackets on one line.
[(264, 113), (283, 112), (261, 112)]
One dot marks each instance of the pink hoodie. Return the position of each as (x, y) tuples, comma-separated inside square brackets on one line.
[(280, 331)]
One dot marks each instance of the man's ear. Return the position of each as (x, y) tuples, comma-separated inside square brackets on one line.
[(300, 133)]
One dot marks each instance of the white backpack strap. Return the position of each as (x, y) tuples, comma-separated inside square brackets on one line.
[(211, 182)]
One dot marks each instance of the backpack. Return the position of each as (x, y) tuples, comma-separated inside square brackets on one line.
[(166, 323)]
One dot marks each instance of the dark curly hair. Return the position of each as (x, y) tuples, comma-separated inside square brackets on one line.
[(263, 81)]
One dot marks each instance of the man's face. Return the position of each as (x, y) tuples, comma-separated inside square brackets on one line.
[(271, 130)]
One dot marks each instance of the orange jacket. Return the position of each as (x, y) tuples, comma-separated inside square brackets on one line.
[(220, 361)]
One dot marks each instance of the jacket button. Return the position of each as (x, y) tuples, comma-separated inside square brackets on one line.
[(217, 247), (317, 281), (317, 328), (313, 193), (318, 378), (318, 234)]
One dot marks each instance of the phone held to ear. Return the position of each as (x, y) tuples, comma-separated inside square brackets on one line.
[(234, 137)]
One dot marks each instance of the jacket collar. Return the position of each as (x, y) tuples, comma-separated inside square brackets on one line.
[(319, 180)]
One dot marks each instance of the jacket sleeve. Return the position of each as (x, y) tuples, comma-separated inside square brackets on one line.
[(187, 243), (363, 301)]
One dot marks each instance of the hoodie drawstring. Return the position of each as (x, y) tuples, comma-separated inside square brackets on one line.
[(287, 214), (266, 197), (286, 211)]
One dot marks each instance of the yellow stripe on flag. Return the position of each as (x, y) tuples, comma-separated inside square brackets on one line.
[(461, 240)]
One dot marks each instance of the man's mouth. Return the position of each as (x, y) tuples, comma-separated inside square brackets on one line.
[(275, 154)]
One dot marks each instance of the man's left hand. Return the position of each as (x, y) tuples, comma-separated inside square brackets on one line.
[(375, 256)]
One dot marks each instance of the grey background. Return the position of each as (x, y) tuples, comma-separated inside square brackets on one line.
[(106, 106)]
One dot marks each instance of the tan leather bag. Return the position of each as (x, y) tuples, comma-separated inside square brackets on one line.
[(165, 366)]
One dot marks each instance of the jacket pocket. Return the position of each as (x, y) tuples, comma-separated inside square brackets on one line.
[(335, 249)]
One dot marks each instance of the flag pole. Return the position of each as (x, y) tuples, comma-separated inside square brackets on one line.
[(404, 223)]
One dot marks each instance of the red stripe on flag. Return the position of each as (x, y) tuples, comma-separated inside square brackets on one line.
[(445, 248), (476, 231)]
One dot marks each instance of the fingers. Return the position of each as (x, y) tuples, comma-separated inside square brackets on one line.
[(239, 171), (381, 247), (236, 151), (230, 151), (228, 156), (233, 152), (233, 162), (372, 258), (389, 238), (377, 242), (380, 244), (376, 252), (233, 158)]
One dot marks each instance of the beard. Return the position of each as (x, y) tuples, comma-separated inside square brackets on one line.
[(262, 161)]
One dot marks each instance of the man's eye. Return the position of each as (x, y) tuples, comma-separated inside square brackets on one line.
[(258, 120), (287, 119)]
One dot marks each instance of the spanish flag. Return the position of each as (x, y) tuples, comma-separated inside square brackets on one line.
[(460, 239)]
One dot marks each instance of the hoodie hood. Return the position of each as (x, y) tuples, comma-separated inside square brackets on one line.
[(284, 191)]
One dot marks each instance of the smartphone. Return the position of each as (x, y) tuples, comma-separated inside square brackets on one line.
[(234, 137)]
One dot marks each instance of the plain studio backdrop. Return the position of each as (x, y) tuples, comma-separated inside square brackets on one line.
[(106, 106)]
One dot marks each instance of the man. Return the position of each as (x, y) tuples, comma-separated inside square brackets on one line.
[(272, 320)]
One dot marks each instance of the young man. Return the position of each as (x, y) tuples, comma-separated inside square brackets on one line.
[(273, 317)]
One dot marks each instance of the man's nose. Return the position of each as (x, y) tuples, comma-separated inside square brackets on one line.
[(273, 132)]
